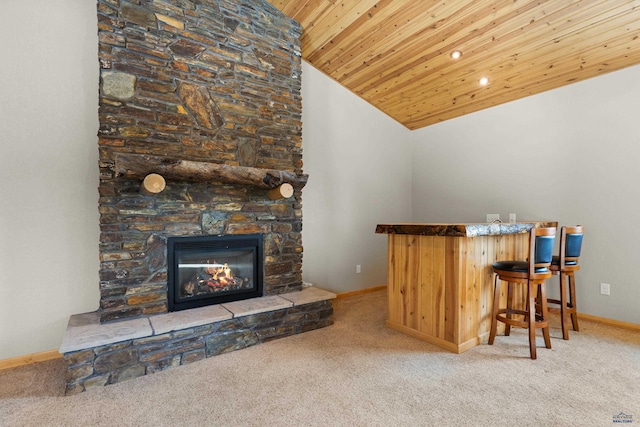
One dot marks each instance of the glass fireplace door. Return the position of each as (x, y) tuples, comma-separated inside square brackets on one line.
[(207, 270)]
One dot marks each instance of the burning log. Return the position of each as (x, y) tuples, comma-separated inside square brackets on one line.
[(138, 166), (211, 278)]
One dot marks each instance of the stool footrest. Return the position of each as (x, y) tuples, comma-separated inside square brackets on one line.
[(540, 321), (569, 307)]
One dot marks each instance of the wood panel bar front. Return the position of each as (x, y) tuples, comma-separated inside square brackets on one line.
[(440, 287)]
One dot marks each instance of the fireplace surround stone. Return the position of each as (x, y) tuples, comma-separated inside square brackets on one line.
[(208, 82)]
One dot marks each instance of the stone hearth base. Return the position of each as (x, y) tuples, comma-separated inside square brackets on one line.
[(101, 354)]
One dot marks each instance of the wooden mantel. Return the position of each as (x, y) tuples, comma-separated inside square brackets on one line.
[(138, 166)]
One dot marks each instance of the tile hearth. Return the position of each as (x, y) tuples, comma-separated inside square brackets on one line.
[(85, 330), (100, 354)]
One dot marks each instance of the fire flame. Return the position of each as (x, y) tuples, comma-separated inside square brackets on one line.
[(221, 273)]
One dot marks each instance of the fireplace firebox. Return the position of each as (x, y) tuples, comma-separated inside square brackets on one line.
[(205, 270)]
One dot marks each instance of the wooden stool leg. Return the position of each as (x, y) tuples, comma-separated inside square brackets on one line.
[(572, 301), (531, 310), (494, 311), (545, 315), (507, 327), (564, 321)]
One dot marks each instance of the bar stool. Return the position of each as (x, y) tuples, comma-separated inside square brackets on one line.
[(565, 265), (533, 272)]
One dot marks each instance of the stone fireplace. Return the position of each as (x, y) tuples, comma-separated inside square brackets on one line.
[(207, 94), (202, 99)]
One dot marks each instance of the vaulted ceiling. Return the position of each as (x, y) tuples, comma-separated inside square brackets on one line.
[(396, 54)]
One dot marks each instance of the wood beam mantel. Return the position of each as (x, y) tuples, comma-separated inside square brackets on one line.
[(138, 166)]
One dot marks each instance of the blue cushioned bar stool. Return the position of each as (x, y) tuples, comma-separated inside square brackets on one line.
[(533, 272), (565, 265)]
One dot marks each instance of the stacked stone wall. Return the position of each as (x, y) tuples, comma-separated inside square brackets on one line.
[(204, 80)]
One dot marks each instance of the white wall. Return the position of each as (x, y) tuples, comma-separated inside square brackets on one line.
[(569, 155), (359, 165), (48, 171)]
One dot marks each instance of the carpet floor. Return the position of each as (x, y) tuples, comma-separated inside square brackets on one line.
[(357, 372)]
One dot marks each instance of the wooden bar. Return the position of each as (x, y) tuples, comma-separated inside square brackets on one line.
[(440, 280)]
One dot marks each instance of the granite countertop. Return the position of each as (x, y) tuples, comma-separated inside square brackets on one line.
[(462, 230)]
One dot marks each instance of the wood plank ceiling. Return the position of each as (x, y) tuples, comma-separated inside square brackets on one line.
[(396, 54)]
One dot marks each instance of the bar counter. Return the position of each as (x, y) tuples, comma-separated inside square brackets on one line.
[(440, 280)]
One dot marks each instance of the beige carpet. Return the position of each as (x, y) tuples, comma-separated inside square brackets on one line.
[(356, 373)]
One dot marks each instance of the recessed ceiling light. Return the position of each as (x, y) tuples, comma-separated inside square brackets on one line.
[(456, 54), (483, 81)]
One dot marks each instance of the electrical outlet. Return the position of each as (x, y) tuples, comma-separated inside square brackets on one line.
[(605, 289), (358, 269), (512, 218), (493, 217)]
